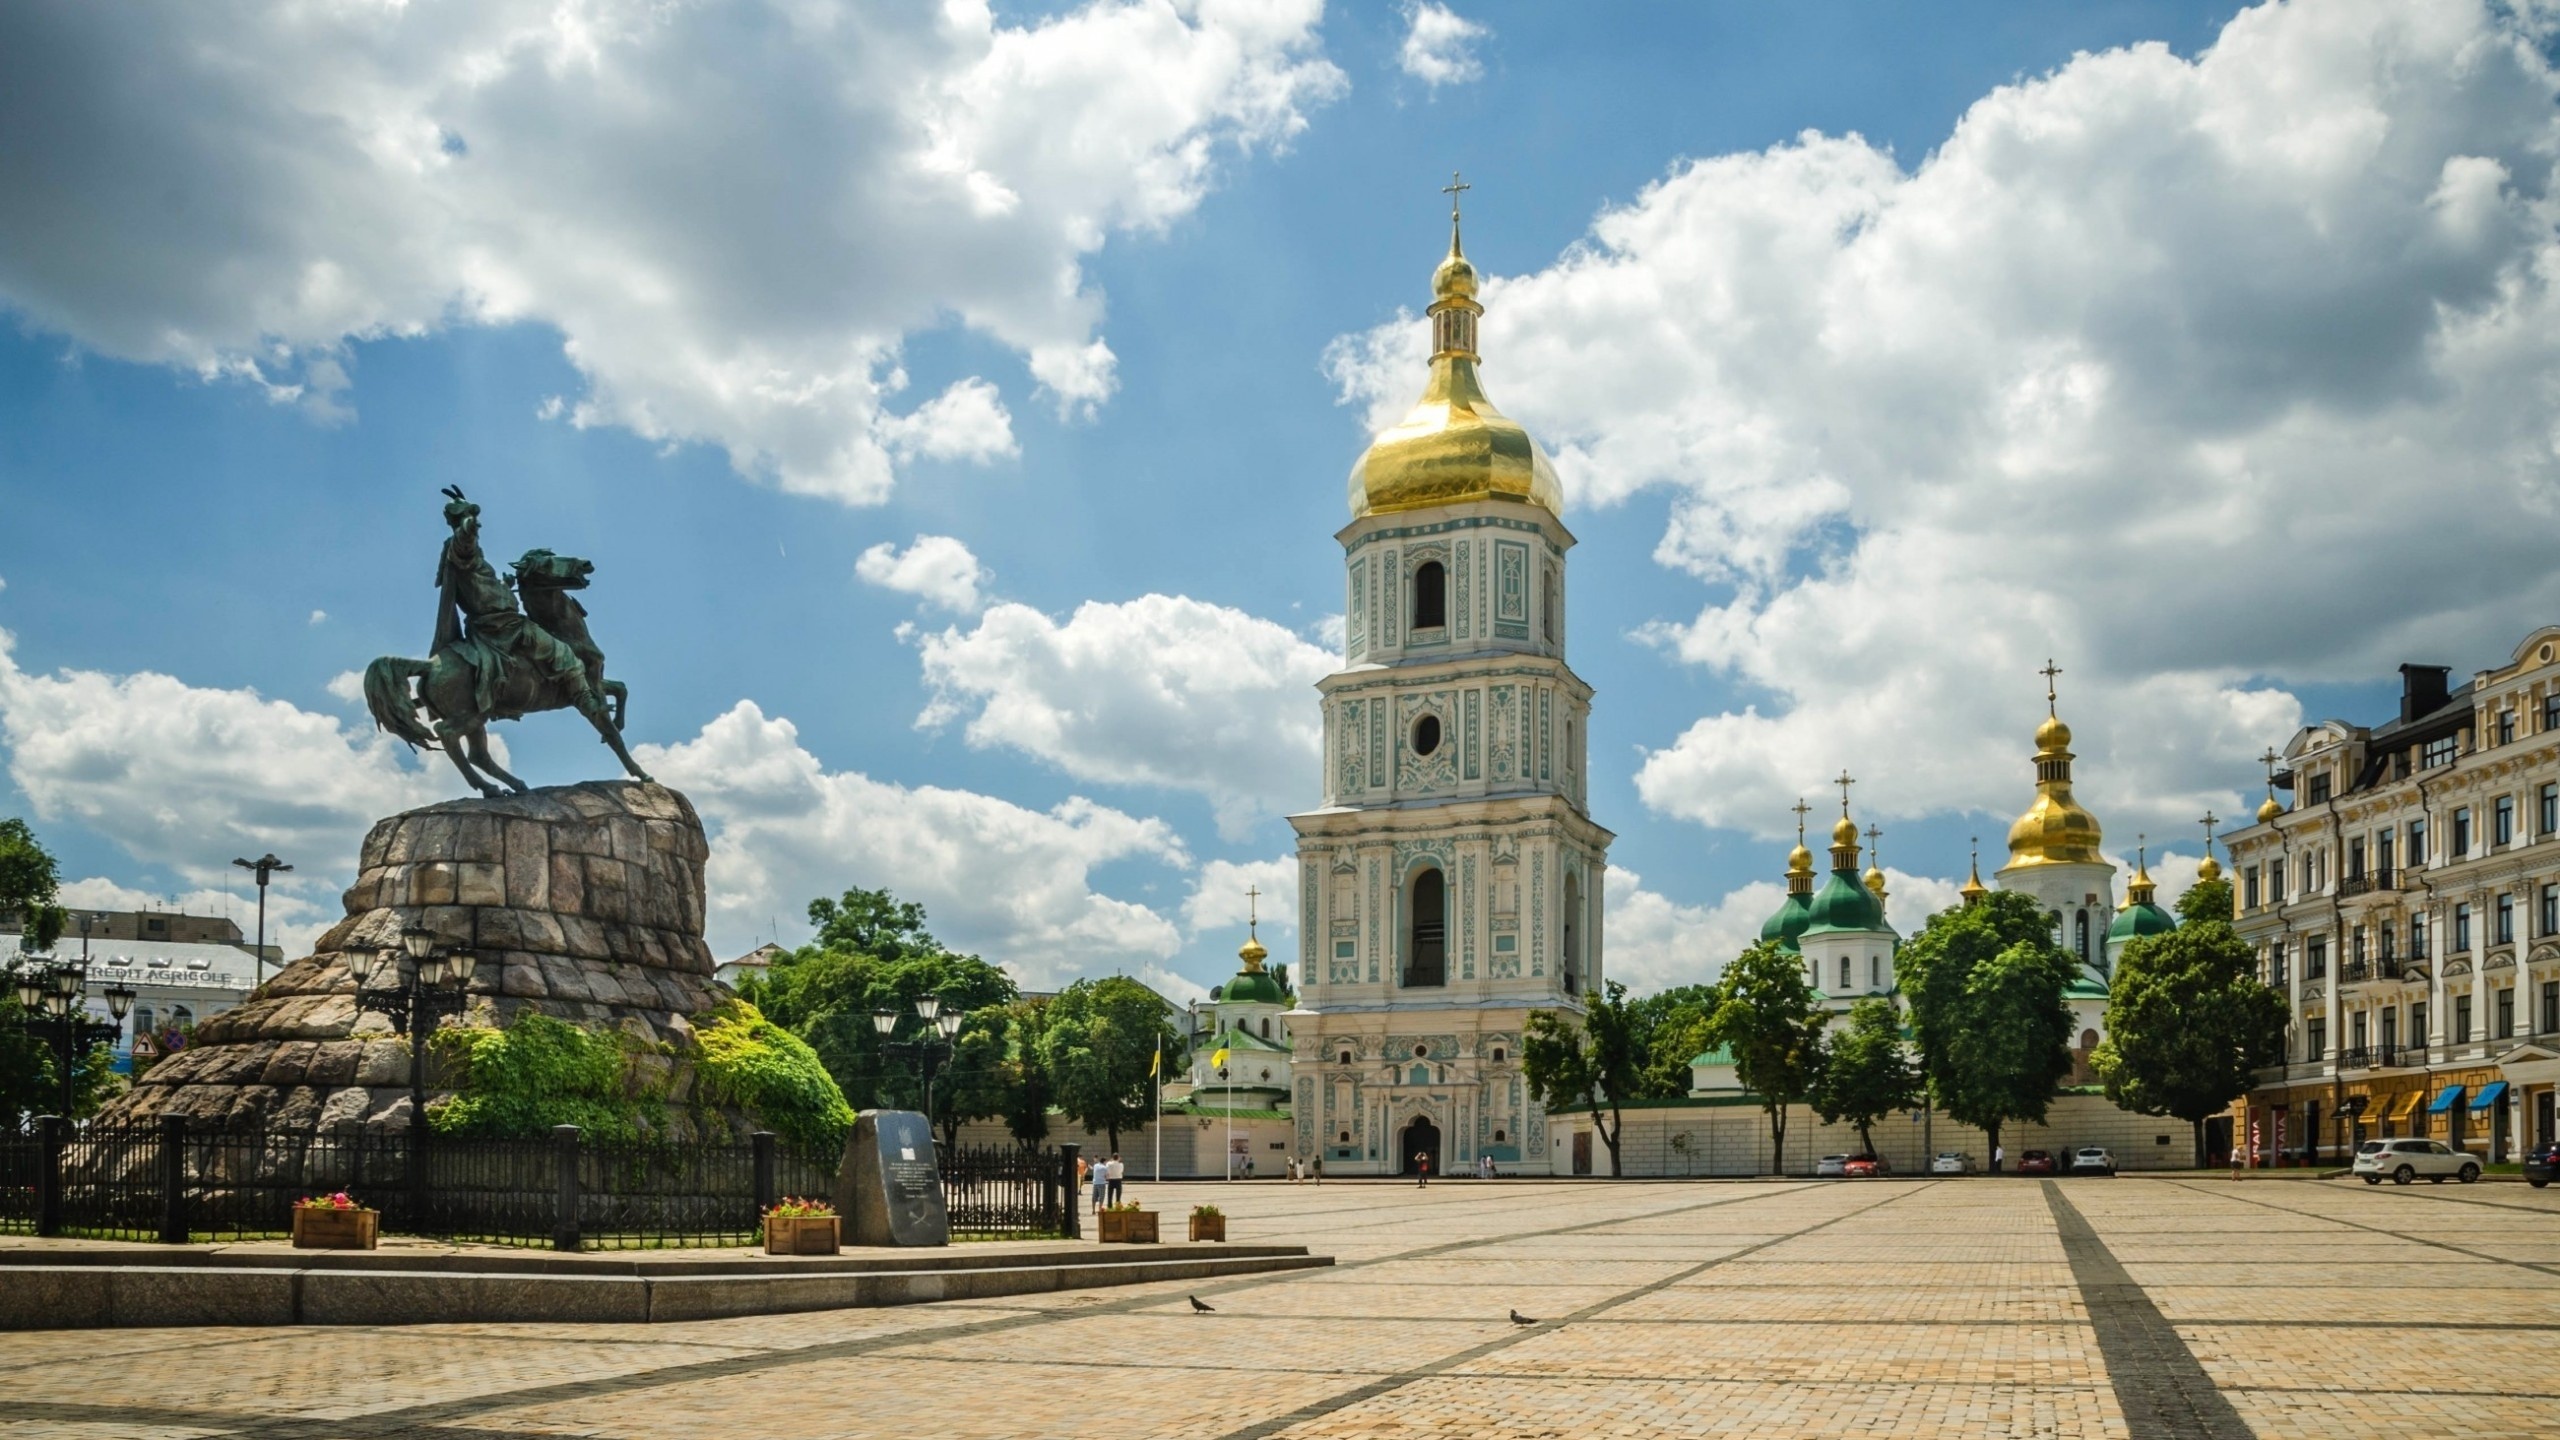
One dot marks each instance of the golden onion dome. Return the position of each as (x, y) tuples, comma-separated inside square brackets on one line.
[(1974, 889), (1875, 880), (1799, 861), (2269, 809), (2208, 868), (1453, 446), (1252, 953), (2056, 830)]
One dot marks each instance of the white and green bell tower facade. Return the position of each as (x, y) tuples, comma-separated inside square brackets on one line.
[(1451, 884)]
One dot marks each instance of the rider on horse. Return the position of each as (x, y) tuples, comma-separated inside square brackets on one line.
[(477, 614)]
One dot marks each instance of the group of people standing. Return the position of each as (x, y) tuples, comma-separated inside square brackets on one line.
[(1105, 1176)]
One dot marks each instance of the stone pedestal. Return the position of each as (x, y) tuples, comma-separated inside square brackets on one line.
[(583, 901), (889, 1190)]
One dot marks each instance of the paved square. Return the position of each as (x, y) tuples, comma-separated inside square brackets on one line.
[(2139, 1308)]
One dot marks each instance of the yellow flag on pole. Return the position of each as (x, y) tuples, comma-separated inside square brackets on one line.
[(1157, 1068), (1218, 1059)]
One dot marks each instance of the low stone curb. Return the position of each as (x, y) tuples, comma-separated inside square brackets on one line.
[(69, 1296)]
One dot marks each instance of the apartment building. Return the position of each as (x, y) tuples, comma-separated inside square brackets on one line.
[(2407, 906)]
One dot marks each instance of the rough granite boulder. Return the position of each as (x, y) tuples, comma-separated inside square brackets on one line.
[(582, 901)]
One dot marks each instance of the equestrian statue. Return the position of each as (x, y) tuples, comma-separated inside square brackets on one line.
[(493, 661)]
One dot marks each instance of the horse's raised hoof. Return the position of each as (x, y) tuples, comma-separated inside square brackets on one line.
[(519, 786)]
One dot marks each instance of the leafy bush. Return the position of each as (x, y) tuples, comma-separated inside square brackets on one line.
[(793, 1207), (1207, 1212), (539, 1071), (750, 1062)]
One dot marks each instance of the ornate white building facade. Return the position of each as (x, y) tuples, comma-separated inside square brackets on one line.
[(1451, 882)]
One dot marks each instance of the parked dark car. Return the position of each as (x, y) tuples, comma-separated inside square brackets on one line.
[(2036, 1162), (2542, 1164)]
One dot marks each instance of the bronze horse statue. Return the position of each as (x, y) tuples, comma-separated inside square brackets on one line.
[(492, 662)]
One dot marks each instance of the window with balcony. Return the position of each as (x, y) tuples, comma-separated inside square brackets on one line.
[(2418, 1023), (2503, 920), (2502, 822), (2462, 929), (2390, 939), (2356, 1030), (2418, 937), (2382, 853), (2461, 832), (2355, 858), (2356, 945), (2390, 1030), (2504, 1014)]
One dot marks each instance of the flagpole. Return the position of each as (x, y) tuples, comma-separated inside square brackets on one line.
[(1158, 1073)]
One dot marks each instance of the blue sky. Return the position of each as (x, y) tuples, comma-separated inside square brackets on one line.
[(1885, 349)]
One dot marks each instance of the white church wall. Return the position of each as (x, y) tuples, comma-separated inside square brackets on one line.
[(1733, 1139)]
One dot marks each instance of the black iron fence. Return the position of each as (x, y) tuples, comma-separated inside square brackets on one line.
[(174, 1183)]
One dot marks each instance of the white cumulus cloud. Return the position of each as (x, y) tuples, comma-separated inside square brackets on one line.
[(995, 878), (935, 568), (1218, 900), (2208, 376), (1439, 45), (733, 215), (1161, 690)]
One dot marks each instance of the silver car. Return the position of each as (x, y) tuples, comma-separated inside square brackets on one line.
[(1831, 1167), (2406, 1160), (2089, 1160), (1952, 1162)]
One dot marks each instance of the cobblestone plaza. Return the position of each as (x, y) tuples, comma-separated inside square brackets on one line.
[(2132, 1307)]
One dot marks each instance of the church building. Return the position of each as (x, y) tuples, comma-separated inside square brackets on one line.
[(1450, 884)]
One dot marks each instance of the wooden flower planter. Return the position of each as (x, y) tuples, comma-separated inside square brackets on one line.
[(1128, 1227), (321, 1229), (1208, 1227), (803, 1234)]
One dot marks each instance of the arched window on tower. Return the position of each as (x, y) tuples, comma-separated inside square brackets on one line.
[(1430, 596), (1571, 949), (2081, 937), (1549, 597), (1844, 974), (1427, 943)]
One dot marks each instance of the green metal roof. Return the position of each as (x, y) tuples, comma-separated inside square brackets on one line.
[(1232, 1038), (1788, 922), (2135, 921), (1251, 988), (1846, 906)]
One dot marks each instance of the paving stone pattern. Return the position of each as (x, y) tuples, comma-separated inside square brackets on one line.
[(2138, 1308)]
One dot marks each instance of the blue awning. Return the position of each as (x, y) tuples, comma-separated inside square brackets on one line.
[(2445, 1099), (2490, 1094)]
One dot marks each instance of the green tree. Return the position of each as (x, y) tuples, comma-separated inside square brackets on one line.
[(1029, 1095), (29, 880), (2188, 1022), (1099, 1046), (1766, 1018), (2206, 900), (976, 1084), (1867, 1073), (1599, 1063), (872, 952), (1985, 984), (1670, 1028)]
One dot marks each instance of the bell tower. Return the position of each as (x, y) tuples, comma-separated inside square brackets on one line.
[(1451, 881)]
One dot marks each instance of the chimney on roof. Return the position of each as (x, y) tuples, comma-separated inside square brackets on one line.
[(2422, 690)]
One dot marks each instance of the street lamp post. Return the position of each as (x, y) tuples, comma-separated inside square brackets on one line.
[(50, 992), (264, 866), (415, 986), (927, 1054)]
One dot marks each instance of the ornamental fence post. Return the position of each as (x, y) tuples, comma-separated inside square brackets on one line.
[(564, 1218), (1067, 1183), (52, 1134), (173, 1179), (764, 1141)]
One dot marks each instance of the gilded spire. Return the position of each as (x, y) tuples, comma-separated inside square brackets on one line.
[(1453, 446), (2140, 889), (2055, 830), (2209, 868), (2270, 808), (1844, 834), (1800, 860), (1252, 952), (1974, 889), (1875, 861)]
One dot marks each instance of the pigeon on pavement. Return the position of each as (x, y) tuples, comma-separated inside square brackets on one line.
[(1200, 1306), (1519, 1319)]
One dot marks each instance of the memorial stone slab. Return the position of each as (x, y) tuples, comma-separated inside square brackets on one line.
[(889, 1189)]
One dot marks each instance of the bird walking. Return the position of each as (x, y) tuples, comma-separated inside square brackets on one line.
[(1519, 1319), (1201, 1307)]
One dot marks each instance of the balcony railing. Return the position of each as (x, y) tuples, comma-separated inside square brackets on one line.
[(2370, 883), (2355, 1057), (2355, 972)]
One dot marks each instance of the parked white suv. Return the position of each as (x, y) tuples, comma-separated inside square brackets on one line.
[(2406, 1160), (1951, 1162), (2091, 1160)]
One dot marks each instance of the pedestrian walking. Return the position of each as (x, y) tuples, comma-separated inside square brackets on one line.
[(1996, 1155), (1117, 1172), (1319, 1169), (1421, 1168), (1101, 1174), (1484, 1167)]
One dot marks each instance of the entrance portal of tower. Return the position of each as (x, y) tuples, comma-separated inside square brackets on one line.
[(1420, 1138)]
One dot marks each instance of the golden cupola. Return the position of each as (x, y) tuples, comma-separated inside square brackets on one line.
[(1454, 446), (1974, 890), (2056, 830)]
